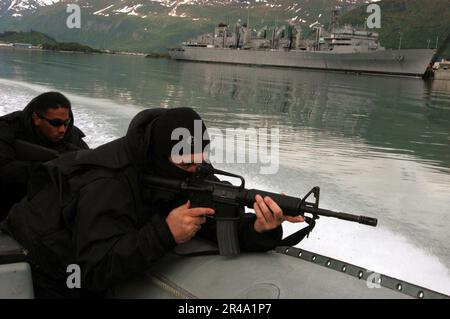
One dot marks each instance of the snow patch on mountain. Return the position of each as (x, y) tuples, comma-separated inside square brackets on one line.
[(100, 12), (21, 5), (141, 8), (173, 12), (129, 10)]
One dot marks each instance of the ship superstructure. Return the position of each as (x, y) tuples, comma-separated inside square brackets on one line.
[(341, 49)]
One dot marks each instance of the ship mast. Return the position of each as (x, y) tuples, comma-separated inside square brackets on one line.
[(334, 19), (248, 17)]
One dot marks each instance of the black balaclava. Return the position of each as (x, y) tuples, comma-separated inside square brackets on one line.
[(161, 143)]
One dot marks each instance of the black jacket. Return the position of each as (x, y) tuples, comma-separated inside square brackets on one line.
[(14, 173), (88, 208)]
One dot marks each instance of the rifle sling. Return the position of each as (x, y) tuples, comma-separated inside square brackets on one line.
[(298, 236)]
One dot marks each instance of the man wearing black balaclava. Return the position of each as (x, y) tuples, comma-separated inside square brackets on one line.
[(92, 209)]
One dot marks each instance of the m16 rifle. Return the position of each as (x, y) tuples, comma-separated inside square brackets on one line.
[(228, 200)]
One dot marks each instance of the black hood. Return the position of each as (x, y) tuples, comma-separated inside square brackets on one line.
[(181, 131), (138, 138), (19, 125), (150, 142), (27, 124)]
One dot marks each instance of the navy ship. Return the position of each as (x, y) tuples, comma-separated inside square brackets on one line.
[(341, 49)]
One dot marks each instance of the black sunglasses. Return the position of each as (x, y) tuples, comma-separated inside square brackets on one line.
[(55, 122)]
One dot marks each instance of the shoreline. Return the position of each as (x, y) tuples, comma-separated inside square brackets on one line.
[(97, 51)]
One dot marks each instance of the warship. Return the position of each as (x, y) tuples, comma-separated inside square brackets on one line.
[(340, 49)]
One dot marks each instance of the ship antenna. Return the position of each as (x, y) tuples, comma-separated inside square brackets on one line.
[(334, 17), (248, 17)]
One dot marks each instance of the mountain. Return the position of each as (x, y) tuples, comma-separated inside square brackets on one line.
[(155, 25), (444, 50), (17, 8), (32, 37), (40, 39), (416, 23)]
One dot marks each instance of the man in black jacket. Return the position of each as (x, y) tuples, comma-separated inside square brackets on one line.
[(46, 121), (92, 209)]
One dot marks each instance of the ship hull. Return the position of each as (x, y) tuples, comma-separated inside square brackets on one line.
[(394, 62)]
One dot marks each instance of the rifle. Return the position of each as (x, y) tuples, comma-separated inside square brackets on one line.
[(227, 200), (27, 151)]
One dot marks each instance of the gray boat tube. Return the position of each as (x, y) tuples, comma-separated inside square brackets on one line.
[(286, 273), (196, 270)]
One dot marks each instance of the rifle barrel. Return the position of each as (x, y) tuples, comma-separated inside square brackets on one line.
[(370, 221)]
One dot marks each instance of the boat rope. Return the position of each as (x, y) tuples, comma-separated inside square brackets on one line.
[(372, 278), (170, 287)]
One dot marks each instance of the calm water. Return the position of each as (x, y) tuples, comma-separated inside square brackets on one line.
[(377, 146)]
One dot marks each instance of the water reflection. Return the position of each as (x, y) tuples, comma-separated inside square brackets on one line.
[(393, 115)]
